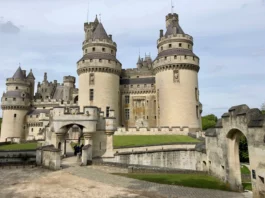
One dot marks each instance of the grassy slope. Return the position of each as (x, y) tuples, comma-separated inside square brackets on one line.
[(141, 140), (190, 180), (245, 170), (26, 146)]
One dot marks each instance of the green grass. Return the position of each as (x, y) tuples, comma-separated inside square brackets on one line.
[(247, 186), (142, 140), (25, 146), (189, 180), (245, 170)]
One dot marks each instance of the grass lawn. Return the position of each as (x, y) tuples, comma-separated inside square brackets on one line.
[(142, 140), (247, 186), (189, 180), (245, 170), (25, 146)]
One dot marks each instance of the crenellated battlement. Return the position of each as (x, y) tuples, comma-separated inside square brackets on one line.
[(10, 81), (92, 42), (176, 37)]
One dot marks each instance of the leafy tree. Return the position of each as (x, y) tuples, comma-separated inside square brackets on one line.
[(263, 108), (243, 149), (208, 121)]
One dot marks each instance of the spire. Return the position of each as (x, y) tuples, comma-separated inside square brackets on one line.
[(45, 77), (30, 75), (100, 32), (96, 19), (19, 74), (139, 60)]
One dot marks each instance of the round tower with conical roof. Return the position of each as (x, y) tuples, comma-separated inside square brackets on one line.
[(99, 70), (176, 70), (15, 105)]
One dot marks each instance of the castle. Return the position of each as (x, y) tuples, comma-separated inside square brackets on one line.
[(162, 92)]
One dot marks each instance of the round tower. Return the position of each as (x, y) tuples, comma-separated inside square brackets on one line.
[(176, 70), (99, 70), (15, 105)]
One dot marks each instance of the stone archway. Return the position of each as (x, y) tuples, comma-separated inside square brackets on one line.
[(233, 139)]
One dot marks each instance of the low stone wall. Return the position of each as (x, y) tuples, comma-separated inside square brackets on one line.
[(155, 147), (186, 159), (17, 157), (153, 131)]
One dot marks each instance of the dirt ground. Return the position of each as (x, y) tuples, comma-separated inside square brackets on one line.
[(41, 183)]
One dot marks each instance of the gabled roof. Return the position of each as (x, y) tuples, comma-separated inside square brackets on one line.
[(100, 32), (19, 74)]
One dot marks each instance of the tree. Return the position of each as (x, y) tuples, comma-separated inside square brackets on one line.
[(208, 121), (263, 108), (243, 149)]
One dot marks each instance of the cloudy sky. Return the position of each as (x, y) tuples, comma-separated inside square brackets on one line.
[(229, 38)]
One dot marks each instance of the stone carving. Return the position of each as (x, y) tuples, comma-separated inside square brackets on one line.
[(176, 75)]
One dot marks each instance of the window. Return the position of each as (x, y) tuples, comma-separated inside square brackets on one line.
[(145, 85), (83, 61), (170, 45), (32, 129), (111, 51), (152, 85), (180, 44), (5, 99), (161, 48), (155, 117), (165, 58), (14, 99), (196, 93), (175, 57), (147, 117), (93, 49), (107, 111), (100, 60), (91, 60), (91, 79), (193, 57), (109, 61), (185, 56), (91, 94), (127, 114), (86, 51), (103, 49), (137, 76), (15, 115), (127, 99), (189, 46), (99, 145), (138, 86), (131, 86), (16, 87), (197, 111)]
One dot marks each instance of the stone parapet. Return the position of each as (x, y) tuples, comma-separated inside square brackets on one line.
[(154, 131)]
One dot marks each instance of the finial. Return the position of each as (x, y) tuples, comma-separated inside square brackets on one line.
[(19, 64)]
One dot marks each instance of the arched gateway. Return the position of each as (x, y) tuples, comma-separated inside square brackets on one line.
[(96, 129), (222, 147)]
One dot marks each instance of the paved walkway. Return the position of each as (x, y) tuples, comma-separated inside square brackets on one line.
[(102, 174)]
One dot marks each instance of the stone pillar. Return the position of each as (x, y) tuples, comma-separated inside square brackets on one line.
[(109, 144), (88, 139)]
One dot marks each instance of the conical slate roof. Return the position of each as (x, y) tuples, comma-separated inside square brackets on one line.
[(170, 30), (30, 75), (19, 74), (100, 32), (96, 19)]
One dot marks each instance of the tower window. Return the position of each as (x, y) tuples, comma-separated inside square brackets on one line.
[(127, 114), (85, 50), (161, 48), (175, 57), (185, 57), (196, 94), (91, 94), (147, 117), (111, 51), (100, 60), (152, 85), (83, 61), (15, 115), (5, 99), (131, 86), (91, 60), (138, 86), (31, 129), (107, 111), (197, 111), (127, 99), (170, 45), (180, 44), (91, 79), (145, 85), (155, 117), (189, 46), (14, 99), (165, 58), (93, 49), (103, 49), (193, 57), (109, 61), (16, 87)]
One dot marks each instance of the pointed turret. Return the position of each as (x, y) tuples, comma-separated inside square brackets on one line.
[(96, 20), (31, 75), (100, 32), (19, 74)]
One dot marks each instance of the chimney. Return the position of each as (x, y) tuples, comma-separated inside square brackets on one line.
[(24, 73), (161, 33), (110, 36)]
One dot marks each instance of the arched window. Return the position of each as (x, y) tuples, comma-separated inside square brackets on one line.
[(15, 115)]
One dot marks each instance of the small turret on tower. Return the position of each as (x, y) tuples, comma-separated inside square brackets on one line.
[(31, 79)]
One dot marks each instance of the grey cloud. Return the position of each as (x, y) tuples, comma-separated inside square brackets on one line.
[(9, 28)]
